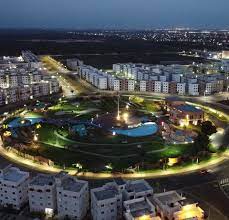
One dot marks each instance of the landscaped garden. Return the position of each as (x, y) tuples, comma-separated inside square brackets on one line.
[(87, 132)]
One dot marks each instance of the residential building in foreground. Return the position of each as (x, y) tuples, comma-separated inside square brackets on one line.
[(13, 187), (137, 189), (106, 202), (72, 197), (42, 194), (173, 206), (140, 208)]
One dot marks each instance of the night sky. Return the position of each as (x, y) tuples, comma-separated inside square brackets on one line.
[(112, 14)]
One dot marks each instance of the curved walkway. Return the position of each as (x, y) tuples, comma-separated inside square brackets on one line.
[(90, 175)]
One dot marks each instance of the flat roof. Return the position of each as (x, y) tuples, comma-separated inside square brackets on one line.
[(188, 108), (168, 197), (13, 175), (106, 193), (42, 180), (140, 208), (72, 184), (138, 186)]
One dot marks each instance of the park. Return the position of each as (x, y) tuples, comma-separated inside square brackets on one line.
[(120, 134)]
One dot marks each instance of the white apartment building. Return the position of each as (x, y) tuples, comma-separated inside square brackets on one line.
[(54, 86), (173, 206), (74, 63), (24, 92), (131, 85), (11, 95), (117, 86), (139, 209), (117, 68), (3, 81), (102, 83), (193, 89), (176, 77), (136, 189), (165, 87), (2, 98), (158, 86), (72, 196), (162, 78), (42, 194), (143, 86), (44, 88), (181, 88), (12, 80), (13, 187), (106, 202)]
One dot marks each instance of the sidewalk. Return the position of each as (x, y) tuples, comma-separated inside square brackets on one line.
[(90, 175)]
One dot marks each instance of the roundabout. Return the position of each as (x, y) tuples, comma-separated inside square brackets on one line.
[(88, 138)]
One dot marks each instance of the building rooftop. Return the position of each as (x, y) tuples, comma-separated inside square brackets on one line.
[(72, 184), (13, 174), (139, 209), (168, 198), (106, 193), (42, 180), (138, 186), (188, 108)]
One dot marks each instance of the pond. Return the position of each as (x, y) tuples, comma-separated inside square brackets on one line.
[(21, 122), (144, 129)]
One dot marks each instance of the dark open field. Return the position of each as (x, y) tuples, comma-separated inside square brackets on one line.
[(98, 51)]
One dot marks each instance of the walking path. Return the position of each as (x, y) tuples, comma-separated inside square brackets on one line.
[(90, 175)]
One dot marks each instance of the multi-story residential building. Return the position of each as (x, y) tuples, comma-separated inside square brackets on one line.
[(11, 95), (131, 85), (170, 79), (136, 189), (143, 86), (72, 196), (106, 202), (173, 206), (117, 85), (193, 89), (24, 92), (73, 64), (181, 88), (2, 98), (13, 187), (42, 194), (18, 77), (140, 208), (158, 86)]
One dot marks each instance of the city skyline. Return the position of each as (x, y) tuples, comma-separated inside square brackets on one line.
[(115, 14)]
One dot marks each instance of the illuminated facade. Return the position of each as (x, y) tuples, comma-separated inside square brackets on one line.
[(173, 206)]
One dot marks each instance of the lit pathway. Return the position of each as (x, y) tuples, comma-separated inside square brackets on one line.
[(90, 175)]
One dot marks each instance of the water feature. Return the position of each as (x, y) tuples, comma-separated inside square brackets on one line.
[(145, 129)]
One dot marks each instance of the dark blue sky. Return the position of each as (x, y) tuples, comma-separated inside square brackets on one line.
[(114, 13)]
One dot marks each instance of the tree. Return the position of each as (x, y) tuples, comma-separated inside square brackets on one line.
[(201, 143), (142, 154), (208, 128)]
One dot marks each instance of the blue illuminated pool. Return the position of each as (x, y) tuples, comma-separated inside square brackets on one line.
[(17, 122), (145, 129)]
